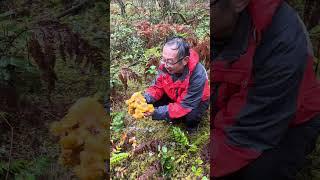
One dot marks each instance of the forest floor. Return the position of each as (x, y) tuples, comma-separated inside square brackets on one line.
[(145, 139), (34, 150)]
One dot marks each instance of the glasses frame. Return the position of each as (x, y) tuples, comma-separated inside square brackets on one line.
[(171, 64)]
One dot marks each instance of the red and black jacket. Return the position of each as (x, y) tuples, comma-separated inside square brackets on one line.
[(186, 91), (262, 84)]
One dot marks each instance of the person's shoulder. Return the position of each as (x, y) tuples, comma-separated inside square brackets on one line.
[(200, 70), (285, 21), (285, 35), (199, 67), (284, 44)]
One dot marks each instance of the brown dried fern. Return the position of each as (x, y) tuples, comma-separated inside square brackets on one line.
[(148, 146), (126, 74), (151, 62), (151, 171), (53, 38)]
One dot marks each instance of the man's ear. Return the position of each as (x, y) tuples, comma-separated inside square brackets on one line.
[(239, 5), (185, 60)]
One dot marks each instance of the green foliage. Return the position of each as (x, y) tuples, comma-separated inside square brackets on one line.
[(16, 166), (35, 168), (25, 170), (117, 121), (199, 161), (125, 44), (10, 67), (182, 158), (126, 48), (204, 178), (167, 160), (114, 79), (315, 32), (202, 30), (196, 169), (152, 70), (179, 136), (117, 158), (20, 74), (152, 52), (184, 35), (193, 148), (202, 139), (93, 32), (114, 82)]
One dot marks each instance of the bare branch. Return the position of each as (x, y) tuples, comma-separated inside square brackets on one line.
[(72, 9)]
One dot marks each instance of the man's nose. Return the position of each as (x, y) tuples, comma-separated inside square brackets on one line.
[(167, 65)]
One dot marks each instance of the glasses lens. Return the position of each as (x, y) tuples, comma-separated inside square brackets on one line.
[(169, 64), (162, 61)]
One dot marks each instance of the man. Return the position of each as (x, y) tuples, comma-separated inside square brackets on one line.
[(180, 91), (265, 96)]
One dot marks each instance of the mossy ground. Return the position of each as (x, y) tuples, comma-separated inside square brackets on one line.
[(146, 130)]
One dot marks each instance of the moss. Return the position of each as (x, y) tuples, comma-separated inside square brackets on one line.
[(146, 130)]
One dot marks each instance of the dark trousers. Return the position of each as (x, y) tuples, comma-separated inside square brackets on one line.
[(192, 119), (284, 161)]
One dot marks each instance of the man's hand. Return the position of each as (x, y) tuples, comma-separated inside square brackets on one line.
[(147, 114)]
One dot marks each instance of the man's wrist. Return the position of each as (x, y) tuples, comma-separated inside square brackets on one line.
[(161, 113), (148, 98)]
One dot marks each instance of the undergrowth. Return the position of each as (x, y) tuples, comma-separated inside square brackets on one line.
[(21, 169)]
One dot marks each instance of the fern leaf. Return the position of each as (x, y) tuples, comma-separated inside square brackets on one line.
[(117, 158), (179, 136)]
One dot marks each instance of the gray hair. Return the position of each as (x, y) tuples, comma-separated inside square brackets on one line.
[(179, 44)]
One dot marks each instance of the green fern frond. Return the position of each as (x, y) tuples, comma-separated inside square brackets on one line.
[(16, 166), (179, 136), (117, 158), (35, 168), (23, 169), (202, 139)]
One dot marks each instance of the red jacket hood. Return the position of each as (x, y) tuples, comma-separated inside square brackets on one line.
[(193, 60)]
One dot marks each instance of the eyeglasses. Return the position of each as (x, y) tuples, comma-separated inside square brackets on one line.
[(170, 64)]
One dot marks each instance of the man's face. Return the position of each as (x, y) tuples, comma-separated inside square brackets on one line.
[(223, 18), (171, 62)]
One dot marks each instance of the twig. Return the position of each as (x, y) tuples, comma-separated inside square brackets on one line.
[(135, 63), (182, 17), (11, 143), (12, 41), (72, 9)]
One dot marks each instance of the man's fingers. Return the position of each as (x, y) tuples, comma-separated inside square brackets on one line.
[(147, 114)]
